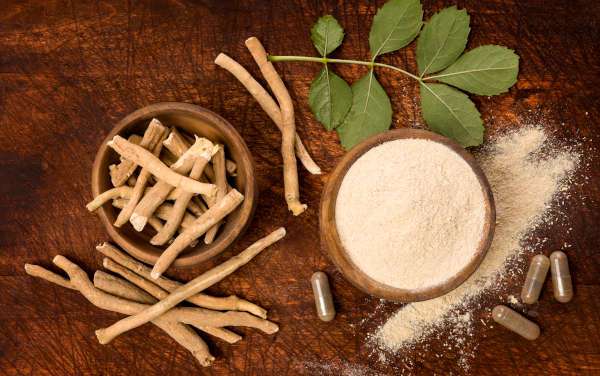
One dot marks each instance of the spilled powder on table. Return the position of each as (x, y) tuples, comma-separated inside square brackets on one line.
[(525, 181)]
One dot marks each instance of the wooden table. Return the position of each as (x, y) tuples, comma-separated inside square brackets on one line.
[(70, 70)]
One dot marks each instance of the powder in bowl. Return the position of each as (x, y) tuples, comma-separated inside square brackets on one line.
[(410, 213)]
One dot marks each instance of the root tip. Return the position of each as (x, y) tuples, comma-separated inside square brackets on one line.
[(101, 245), (101, 337), (138, 222), (154, 274), (219, 58), (297, 208)]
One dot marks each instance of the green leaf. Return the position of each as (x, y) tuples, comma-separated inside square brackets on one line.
[(395, 25), (326, 34), (451, 113), (485, 70), (442, 40), (371, 112), (330, 98)]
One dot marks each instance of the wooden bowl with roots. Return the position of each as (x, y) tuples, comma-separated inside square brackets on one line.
[(330, 238), (194, 120)]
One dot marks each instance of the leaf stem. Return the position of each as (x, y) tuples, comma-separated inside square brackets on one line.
[(325, 60)]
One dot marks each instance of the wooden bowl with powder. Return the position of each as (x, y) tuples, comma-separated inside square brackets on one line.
[(415, 215)]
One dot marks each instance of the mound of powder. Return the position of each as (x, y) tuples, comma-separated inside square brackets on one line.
[(410, 213), (524, 181)]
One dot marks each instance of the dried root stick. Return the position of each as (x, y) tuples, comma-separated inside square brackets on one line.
[(288, 130), (201, 316), (214, 214), (221, 183), (163, 212), (158, 293), (156, 196), (157, 168), (267, 103), (169, 322), (230, 303), (123, 289), (118, 192), (231, 167), (195, 207), (155, 223), (138, 188), (42, 273), (195, 317), (152, 136), (147, 286), (179, 208), (126, 192), (176, 143), (191, 288)]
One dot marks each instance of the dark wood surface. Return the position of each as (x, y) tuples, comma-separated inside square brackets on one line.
[(70, 70)]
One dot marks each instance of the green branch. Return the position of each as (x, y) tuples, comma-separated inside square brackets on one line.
[(325, 60)]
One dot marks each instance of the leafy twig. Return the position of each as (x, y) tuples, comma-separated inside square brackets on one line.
[(485, 70)]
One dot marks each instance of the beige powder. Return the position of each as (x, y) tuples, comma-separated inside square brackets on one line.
[(524, 186), (410, 213)]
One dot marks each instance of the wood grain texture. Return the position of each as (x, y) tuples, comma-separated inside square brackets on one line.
[(69, 70)]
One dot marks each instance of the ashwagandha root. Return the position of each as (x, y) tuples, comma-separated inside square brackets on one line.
[(123, 289), (193, 287), (155, 223), (213, 215), (180, 206), (117, 192), (267, 103), (195, 207), (157, 168), (181, 333), (152, 136), (138, 188), (131, 181), (163, 212), (202, 148), (288, 123), (42, 273), (125, 192), (195, 316), (220, 181), (147, 286), (230, 303), (170, 321), (219, 320), (176, 143), (231, 167), (156, 291)]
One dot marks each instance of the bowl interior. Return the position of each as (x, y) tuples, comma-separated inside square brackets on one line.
[(193, 120), (333, 245)]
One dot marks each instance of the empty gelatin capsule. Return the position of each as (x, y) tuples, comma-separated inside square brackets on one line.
[(516, 322), (561, 277), (323, 298), (538, 269)]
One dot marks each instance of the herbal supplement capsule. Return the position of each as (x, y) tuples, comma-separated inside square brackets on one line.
[(561, 277), (516, 322), (323, 298), (538, 269)]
